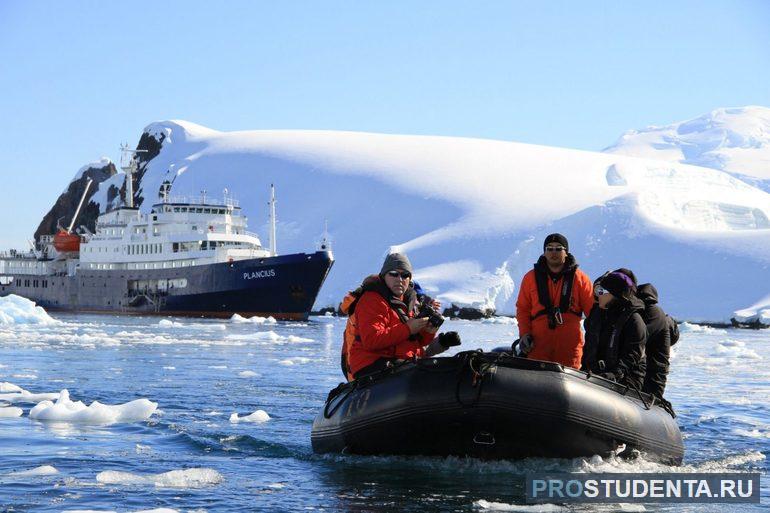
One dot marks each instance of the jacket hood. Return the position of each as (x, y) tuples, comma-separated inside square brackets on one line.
[(647, 293), (632, 303), (569, 265)]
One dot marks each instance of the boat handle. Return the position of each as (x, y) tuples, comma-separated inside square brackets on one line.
[(484, 438)]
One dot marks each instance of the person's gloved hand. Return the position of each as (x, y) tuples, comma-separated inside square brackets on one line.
[(525, 344), (609, 375), (449, 339)]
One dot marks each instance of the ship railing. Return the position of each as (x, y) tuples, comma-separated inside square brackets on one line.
[(18, 254), (203, 200)]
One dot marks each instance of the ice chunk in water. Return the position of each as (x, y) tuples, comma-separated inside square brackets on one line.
[(188, 478), (257, 416), (65, 410)]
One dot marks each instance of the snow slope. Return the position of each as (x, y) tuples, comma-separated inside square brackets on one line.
[(733, 140), (472, 213)]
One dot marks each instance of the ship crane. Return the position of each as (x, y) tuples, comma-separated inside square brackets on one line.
[(65, 241)]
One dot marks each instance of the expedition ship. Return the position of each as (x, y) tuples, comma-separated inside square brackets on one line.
[(183, 257)]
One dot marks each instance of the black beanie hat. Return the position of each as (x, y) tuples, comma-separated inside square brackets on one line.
[(556, 237), (618, 284), (395, 262)]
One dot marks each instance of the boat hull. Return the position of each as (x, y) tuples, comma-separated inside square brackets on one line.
[(510, 409), (284, 287)]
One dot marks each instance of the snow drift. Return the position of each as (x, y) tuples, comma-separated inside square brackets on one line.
[(733, 140), (472, 213)]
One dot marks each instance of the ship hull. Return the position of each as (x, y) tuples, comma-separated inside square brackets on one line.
[(284, 287)]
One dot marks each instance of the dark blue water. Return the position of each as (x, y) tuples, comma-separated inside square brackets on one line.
[(200, 372)]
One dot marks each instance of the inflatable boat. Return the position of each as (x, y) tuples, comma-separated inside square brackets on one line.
[(493, 406)]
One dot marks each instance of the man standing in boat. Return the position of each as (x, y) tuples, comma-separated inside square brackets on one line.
[(552, 299)]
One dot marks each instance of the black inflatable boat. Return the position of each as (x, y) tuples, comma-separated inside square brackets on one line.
[(493, 406)]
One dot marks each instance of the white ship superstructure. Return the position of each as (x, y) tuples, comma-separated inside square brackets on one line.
[(178, 232)]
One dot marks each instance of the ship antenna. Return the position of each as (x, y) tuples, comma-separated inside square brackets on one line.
[(272, 221), (77, 211), (129, 166)]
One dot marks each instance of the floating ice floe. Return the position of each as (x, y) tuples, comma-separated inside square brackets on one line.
[(167, 323), (529, 508), (248, 374), (188, 478), (258, 416), (253, 320), (19, 310), (65, 410), (687, 327), (11, 393), (296, 360), (268, 336), (42, 470), (10, 412)]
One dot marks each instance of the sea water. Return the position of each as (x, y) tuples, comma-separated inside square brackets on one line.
[(235, 401)]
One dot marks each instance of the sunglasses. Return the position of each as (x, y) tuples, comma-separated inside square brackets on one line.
[(554, 248), (599, 291), (396, 274)]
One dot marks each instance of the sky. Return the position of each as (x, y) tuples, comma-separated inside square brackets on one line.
[(78, 78)]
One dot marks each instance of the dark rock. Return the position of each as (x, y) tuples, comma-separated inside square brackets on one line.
[(325, 310), (752, 325), (467, 313), (67, 203)]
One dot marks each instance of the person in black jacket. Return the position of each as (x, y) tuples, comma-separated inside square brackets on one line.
[(616, 334), (658, 341)]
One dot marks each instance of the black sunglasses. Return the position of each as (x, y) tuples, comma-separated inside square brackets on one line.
[(396, 274), (551, 248)]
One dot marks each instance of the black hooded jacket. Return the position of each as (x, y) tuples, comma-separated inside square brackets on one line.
[(615, 342), (658, 341)]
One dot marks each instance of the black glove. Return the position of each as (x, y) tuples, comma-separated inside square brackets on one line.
[(449, 339), (525, 345)]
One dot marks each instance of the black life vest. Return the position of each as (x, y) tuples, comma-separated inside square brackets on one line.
[(555, 313)]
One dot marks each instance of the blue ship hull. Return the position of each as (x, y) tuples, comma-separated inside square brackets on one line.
[(284, 287)]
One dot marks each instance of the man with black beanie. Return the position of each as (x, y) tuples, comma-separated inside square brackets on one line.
[(552, 299)]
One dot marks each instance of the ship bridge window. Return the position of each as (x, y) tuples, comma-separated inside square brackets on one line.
[(176, 209), (206, 210), (198, 210)]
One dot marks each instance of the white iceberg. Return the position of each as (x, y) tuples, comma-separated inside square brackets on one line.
[(11, 393), (188, 478), (20, 310), (258, 416), (65, 410), (253, 320)]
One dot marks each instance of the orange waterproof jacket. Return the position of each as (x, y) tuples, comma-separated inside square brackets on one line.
[(564, 344), (382, 334)]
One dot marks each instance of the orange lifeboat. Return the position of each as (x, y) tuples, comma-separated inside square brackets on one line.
[(66, 242)]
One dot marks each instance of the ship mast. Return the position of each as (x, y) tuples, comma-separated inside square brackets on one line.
[(129, 166), (272, 221)]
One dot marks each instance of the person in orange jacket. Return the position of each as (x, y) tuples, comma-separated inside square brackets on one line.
[(552, 299), (385, 323)]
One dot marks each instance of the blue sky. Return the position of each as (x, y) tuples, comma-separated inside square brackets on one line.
[(78, 78)]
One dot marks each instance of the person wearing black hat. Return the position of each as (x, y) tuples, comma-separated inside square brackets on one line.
[(383, 325), (553, 297), (615, 332)]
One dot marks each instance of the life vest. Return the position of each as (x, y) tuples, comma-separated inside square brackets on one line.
[(371, 283), (555, 313)]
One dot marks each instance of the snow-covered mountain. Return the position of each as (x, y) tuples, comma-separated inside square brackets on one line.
[(733, 140), (472, 213)]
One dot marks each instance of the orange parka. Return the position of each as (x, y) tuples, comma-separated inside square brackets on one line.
[(380, 333), (564, 343)]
